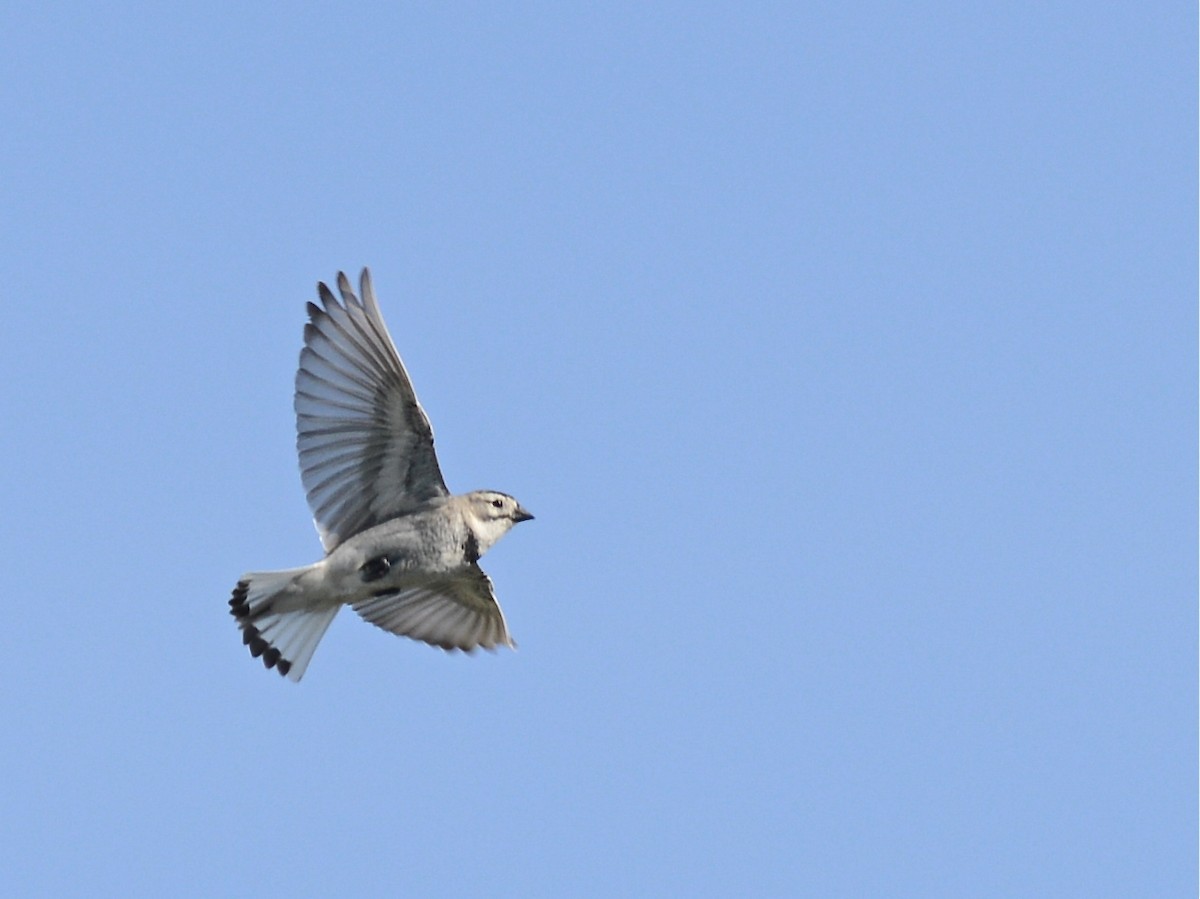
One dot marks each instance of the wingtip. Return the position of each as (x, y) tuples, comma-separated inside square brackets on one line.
[(344, 289), (327, 298), (366, 288)]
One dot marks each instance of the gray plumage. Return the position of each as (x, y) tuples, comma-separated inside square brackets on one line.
[(400, 549)]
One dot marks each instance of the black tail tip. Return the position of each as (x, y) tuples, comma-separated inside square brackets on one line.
[(260, 648), (239, 606)]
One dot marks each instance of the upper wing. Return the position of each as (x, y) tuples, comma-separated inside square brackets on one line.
[(366, 447), (454, 611)]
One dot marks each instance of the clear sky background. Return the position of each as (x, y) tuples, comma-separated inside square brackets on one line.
[(845, 353)]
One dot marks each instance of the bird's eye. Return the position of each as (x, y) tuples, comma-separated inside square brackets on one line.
[(498, 503)]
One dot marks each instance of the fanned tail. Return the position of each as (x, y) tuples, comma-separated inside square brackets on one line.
[(275, 624)]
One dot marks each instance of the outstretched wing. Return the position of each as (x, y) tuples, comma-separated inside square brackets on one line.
[(456, 611), (365, 443)]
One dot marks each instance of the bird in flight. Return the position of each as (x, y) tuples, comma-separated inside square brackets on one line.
[(400, 549)]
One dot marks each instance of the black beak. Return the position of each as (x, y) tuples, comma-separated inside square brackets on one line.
[(521, 515)]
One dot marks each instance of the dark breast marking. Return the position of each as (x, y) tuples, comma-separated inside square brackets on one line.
[(471, 548)]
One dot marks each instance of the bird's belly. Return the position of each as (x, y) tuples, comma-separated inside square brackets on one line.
[(353, 576)]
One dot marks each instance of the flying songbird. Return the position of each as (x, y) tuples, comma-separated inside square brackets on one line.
[(399, 548)]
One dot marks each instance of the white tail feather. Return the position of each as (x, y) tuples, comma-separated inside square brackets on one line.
[(276, 623)]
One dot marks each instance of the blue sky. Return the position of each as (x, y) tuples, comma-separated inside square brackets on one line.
[(846, 355)]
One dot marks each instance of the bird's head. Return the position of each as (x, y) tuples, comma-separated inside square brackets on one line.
[(491, 515)]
